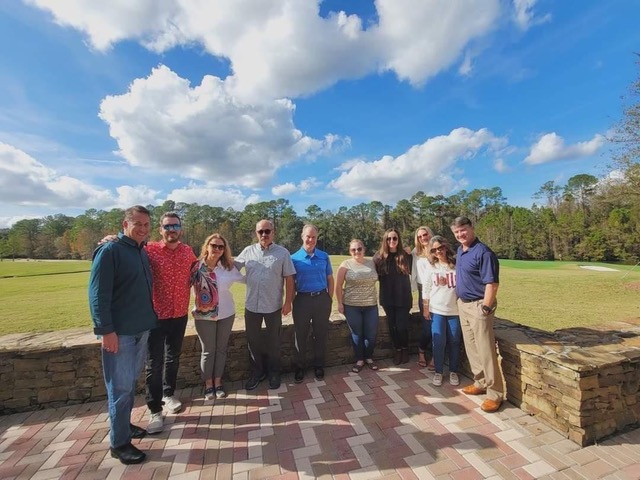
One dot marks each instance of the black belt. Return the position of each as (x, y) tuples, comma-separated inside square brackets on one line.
[(464, 300), (311, 294)]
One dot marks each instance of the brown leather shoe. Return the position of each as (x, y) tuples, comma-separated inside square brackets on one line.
[(473, 390), (490, 406)]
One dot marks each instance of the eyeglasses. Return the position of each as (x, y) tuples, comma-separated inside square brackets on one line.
[(424, 235), (216, 246), (176, 227), (441, 248), (354, 250), (392, 239), (266, 231)]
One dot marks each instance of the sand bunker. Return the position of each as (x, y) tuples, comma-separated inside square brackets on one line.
[(599, 269)]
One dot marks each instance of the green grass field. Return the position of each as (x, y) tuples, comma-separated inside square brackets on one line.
[(52, 295)]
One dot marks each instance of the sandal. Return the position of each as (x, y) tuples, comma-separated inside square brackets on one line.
[(422, 361), (371, 364), (357, 368)]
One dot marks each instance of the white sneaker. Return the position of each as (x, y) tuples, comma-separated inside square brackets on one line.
[(437, 379), (155, 423), (172, 404), (454, 379)]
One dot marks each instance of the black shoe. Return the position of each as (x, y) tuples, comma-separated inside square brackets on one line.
[(128, 454), (274, 381), (319, 373), (254, 381), (299, 376), (137, 432)]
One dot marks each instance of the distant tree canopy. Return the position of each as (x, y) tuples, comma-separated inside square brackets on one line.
[(582, 220)]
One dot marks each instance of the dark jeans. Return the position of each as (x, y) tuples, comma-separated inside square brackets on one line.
[(257, 347), (363, 323), (311, 312), (398, 319), (163, 360), (425, 334)]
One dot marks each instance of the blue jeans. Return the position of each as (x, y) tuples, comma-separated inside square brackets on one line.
[(363, 323), (121, 372), (446, 333)]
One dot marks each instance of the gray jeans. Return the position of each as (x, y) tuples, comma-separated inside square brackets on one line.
[(214, 339)]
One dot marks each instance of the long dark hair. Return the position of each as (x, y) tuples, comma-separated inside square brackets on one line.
[(451, 255), (383, 253)]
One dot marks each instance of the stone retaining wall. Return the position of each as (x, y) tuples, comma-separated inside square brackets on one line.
[(583, 382), (61, 368)]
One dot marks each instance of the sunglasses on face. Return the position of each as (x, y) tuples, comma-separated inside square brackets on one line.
[(176, 227), (441, 248), (424, 235), (215, 246), (266, 231), (354, 250), (392, 239)]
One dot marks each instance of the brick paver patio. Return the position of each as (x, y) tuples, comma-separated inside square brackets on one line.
[(390, 424)]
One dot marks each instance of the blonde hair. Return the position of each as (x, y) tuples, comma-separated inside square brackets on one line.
[(226, 259), (421, 250)]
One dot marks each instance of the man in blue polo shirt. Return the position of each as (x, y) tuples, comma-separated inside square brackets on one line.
[(477, 279), (312, 303)]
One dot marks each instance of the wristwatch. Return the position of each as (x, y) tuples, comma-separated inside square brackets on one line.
[(486, 310)]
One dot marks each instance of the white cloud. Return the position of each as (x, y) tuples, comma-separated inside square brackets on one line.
[(430, 167), (500, 166), (418, 39), (209, 194), (524, 16), (551, 147), (25, 181), (284, 48), (137, 195), (203, 132), (289, 187)]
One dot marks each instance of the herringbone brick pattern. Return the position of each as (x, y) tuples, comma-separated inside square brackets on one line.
[(390, 424)]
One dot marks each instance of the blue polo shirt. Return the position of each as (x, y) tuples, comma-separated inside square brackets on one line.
[(474, 269), (312, 270)]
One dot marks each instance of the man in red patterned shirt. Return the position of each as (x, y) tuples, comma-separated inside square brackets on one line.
[(171, 262)]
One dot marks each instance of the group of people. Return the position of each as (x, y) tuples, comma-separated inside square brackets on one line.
[(139, 297)]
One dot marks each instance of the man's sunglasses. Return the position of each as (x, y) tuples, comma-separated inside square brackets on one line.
[(266, 231), (176, 227)]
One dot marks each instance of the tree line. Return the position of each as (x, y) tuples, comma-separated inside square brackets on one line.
[(586, 219)]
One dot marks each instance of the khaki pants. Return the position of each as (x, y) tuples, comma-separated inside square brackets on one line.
[(480, 345)]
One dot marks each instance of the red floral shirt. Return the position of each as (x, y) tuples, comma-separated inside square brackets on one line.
[(171, 270)]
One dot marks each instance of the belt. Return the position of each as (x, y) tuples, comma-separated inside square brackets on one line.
[(311, 294), (464, 300)]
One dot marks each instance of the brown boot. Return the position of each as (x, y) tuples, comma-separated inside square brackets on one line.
[(397, 358), (405, 355)]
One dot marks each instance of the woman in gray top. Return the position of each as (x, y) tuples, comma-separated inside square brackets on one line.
[(356, 296)]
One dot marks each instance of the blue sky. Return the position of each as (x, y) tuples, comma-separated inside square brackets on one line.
[(232, 102)]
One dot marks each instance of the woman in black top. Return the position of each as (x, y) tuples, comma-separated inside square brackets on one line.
[(394, 271)]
